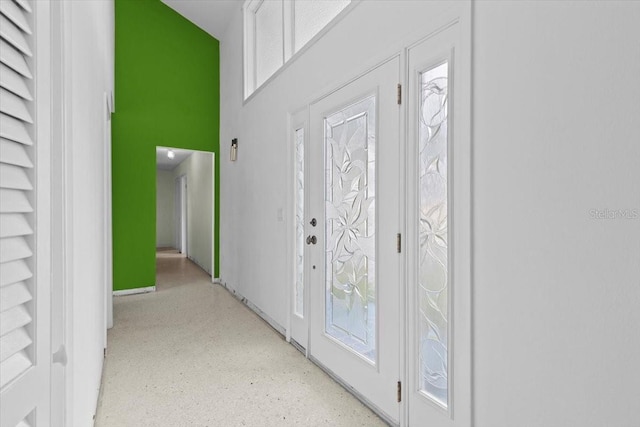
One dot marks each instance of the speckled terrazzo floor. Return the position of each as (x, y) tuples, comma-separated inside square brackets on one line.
[(190, 354)]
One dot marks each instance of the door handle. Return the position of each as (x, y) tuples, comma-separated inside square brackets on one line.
[(311, 240)]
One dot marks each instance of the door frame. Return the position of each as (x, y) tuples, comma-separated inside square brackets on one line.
[(298, 119), (181, 223), (61, 208), (108, 221)]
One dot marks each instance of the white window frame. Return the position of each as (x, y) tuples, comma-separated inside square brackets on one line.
[(249, 9)]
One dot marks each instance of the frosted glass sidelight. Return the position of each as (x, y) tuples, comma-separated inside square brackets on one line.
[(269, 40), (310, 17), (350, 161), (433, 278), (299, 297)]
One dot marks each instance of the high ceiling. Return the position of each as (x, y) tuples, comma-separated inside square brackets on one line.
[(210, 15), (165, 163)]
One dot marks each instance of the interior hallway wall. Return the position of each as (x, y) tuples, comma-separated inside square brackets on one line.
[(89, 61), (557, 278), (198, 169), (167, 94), (165, 209)]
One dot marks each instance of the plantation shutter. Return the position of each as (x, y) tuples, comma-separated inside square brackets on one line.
[(17, 265)]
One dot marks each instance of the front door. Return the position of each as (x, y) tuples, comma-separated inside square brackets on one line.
[(354, 266)]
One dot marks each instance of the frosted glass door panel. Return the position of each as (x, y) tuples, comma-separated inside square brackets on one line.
[(310, 17), (299, 290), (352, 189), (349, 144), (268, 40), (433, 251)]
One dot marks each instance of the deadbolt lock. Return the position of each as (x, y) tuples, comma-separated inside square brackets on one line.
[(313, 222)]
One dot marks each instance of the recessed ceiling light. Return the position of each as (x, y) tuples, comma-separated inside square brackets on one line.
[(171, 154)]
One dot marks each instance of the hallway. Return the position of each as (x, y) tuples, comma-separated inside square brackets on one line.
[(190, 354)]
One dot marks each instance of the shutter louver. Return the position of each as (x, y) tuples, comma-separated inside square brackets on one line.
[(14, 59), (14, 225), (16, 177), (12, 80), (11, 33), (13, 153), (24, 4), (14, 130)]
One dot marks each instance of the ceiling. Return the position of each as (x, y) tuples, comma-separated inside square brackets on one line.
[(167, 164), (210, 15)]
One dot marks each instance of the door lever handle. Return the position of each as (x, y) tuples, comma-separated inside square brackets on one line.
[(311, 240)]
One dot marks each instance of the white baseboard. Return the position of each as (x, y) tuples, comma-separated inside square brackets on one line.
[(264, 316), (196, 262), (134, 291)]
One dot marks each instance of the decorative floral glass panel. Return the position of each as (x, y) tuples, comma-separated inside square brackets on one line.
[(299, 301), (433, 250), (350, 226)]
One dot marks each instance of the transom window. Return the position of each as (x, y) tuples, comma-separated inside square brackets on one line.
[(275, 30)]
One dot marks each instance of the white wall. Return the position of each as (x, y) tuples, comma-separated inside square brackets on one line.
[(199, 168), (555, 113), (88, 49), (165, 209), (254, 187), (556, 134)]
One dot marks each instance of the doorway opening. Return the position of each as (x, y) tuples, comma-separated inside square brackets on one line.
[(185, 206)]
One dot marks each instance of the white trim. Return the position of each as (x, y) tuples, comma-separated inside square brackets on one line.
[(202, 267), (134, 291), (403, 413), (213, 216), (67, 220), (60, 310), (107, 225)]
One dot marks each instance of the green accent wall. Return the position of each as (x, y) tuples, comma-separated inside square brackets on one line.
[(167, 93)]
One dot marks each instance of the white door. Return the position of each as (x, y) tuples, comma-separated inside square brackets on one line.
[(353, 191), (25, 286), (438, 229)]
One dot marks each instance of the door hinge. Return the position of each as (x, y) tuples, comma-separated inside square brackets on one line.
[(399, 242), (399, 391), (399, 94)]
